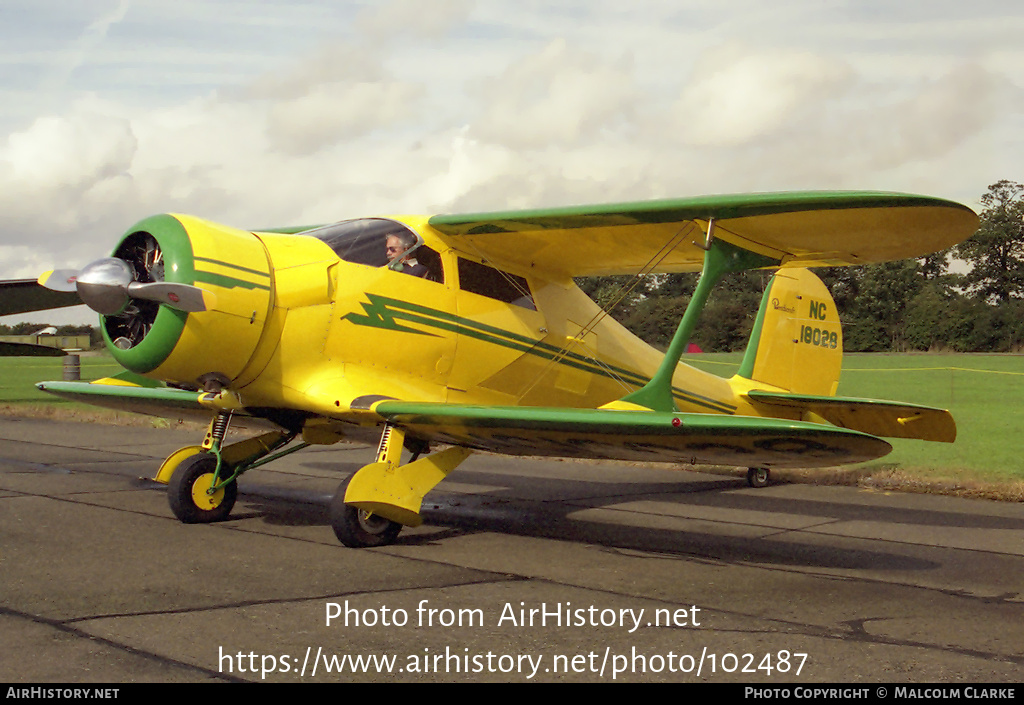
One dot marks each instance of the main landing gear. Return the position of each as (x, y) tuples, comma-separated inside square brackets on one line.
[(202, 480), (369, 509), (360, 528), (195, 495)]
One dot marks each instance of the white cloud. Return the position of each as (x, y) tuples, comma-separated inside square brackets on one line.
[(558, 96), (62, 176), (332, 112), (736, 96), (76, 150)]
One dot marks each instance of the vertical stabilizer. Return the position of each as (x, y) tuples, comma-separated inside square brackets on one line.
[(797, 341)]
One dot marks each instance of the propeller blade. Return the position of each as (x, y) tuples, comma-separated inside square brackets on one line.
[(180, 296)]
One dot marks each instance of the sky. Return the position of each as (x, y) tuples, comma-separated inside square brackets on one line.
[(265, 113)]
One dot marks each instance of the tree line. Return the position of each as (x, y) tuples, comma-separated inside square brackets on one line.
[(969, 298)]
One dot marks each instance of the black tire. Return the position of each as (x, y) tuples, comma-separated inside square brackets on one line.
[(357, 528), (759, 477), (186, 486)]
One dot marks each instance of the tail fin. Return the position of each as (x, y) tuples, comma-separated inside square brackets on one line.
[(797, 341)]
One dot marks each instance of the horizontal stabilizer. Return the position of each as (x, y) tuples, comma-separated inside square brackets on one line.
[(706, 439), (878, 418)]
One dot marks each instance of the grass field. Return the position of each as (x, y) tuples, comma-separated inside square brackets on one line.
[(985, 393)]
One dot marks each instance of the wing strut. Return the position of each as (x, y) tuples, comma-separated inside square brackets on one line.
[(719, 258)]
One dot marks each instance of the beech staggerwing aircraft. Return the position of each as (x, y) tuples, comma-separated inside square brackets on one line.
[(448, 334)]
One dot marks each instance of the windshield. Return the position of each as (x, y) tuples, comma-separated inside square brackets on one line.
[(362, 241)]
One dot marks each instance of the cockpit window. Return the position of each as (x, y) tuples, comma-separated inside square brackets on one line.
[(361, 241), (365, 241), (495, 284)]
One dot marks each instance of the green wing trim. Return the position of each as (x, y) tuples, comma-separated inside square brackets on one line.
[(878, 418), (125, 396), (707, 439), (722, 207), (809, 228)]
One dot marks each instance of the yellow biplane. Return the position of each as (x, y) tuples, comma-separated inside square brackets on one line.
[(467, 332)]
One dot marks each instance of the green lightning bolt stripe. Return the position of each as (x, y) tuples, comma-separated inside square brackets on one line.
[(383, 312)]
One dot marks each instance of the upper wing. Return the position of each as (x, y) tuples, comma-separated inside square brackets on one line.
[(635, 435), (24, 295), (804, 228)]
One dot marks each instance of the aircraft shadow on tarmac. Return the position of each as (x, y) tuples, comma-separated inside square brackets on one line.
[(518, 505)]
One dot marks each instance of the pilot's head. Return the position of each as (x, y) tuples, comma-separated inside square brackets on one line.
[(398, 244)]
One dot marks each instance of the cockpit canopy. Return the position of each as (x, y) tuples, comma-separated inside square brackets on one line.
[(363, 241)]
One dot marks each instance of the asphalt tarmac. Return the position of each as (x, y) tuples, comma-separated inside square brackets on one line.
[(525, 570)]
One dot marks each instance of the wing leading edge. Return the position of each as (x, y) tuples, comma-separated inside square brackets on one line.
[(117, 394)]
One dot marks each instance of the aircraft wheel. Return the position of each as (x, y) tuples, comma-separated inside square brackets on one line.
[(187, 491), (358, 528), (758, 477)]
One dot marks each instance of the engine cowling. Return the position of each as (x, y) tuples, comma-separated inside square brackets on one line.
[(198, 347)]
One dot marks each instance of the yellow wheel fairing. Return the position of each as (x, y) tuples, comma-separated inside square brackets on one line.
[(167, 468)]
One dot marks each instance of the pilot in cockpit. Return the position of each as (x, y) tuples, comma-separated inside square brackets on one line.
[(397, 245)]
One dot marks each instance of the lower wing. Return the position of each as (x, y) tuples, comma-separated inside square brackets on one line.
[(122, 395), (709, 439), (699, 439)]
